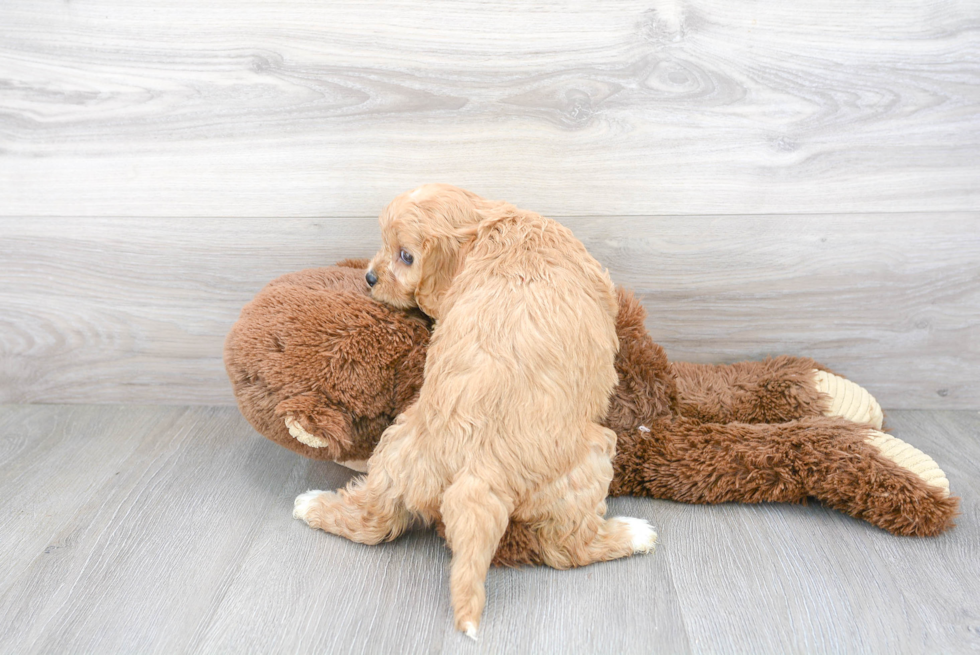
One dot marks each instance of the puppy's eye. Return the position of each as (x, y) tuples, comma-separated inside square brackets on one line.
[(406, 257)]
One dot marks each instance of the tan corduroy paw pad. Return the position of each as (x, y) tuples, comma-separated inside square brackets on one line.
[(910, 458), (359, 465), (302, 436), (849, 400)]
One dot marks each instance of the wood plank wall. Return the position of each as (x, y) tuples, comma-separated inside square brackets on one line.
[(772, 177)]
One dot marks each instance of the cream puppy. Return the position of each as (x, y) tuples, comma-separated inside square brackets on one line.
[(517, 378)]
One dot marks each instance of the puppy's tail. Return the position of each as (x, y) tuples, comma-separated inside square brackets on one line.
[(475, 519)]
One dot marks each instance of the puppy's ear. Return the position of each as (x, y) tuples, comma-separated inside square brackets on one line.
[(440, 259)]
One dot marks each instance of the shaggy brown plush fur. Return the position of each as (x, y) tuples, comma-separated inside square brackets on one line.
[(314, 345)]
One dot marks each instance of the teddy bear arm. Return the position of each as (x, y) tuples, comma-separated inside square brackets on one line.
[(408, 373), (313, 421), (850, 467)]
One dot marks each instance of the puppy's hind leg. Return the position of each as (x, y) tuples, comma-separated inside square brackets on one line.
[(475, 519), (570, 514), (567, 541)]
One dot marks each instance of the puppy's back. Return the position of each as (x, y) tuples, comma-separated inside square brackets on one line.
[(522, 360)]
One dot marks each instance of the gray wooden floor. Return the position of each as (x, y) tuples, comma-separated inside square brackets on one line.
[(147, 529)]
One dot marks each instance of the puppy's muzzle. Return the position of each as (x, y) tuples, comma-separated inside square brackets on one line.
[(371, 278)]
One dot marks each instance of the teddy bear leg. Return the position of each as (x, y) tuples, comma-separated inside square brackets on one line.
[(770, 391), (847, 466), (690, 461), (911, 459), (847, 400), (890, 484)]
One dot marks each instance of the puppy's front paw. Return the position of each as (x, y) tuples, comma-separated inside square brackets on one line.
[(305, 504), (642, 537)]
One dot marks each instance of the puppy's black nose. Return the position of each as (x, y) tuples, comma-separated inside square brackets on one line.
[(371, 278)]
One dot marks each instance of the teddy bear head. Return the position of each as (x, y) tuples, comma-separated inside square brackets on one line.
[(314, 348)]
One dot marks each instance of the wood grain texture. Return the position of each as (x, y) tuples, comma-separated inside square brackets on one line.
[(49, 460), (631, 107), (183, 541), (120, 310), (146, 557)]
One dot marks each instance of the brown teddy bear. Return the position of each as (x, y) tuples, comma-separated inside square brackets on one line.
[(321, 368)]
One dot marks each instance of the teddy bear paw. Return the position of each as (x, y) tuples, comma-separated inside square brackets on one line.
[(301, 435), (642, 537), (911, 459), (848, 400), (359, 465)]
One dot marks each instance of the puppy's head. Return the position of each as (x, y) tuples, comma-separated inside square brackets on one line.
[(425, 236)]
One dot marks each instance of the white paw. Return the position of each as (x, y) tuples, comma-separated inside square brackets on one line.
[(303, 503), (469, 630), (642, 537), (299, 434), (849, 400)]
